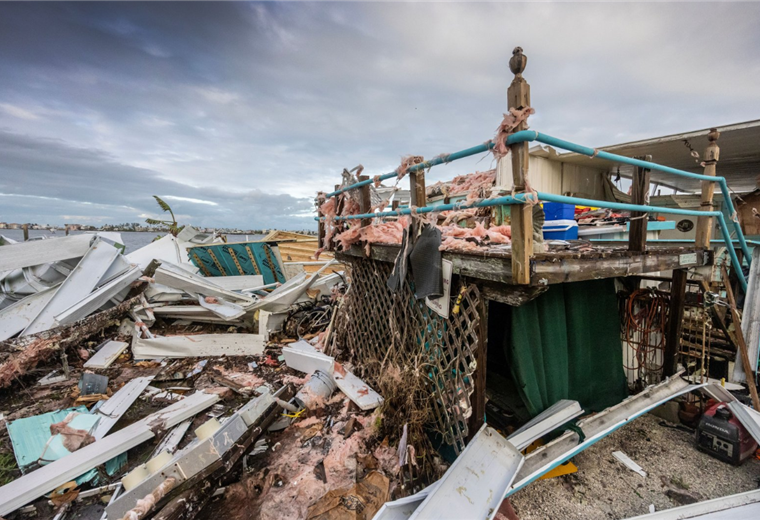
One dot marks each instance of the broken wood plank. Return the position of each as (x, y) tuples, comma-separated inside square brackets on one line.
[(746, 363), (675, 322), (20, 355), (107, 354)]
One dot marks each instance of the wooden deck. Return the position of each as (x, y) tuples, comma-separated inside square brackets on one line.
[(558, 266)]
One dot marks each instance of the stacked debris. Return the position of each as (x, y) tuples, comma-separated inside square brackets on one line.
[(154, 388)]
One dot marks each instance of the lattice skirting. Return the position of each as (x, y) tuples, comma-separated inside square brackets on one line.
[(376, 329)]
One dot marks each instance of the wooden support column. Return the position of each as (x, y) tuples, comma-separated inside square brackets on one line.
[(675, 322), (365, 203), (25, 227), (518, 96), (637, 238), (705, 224), (417, 193), (479, 394), (320, 227), (743, 353)]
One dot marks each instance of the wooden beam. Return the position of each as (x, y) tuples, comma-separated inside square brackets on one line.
[(705, 224), (521, 215), (479, 394), (417, 193), (637, 239), (552, 269), (740, 341), (365, 204), (321, 229), (675, 322)]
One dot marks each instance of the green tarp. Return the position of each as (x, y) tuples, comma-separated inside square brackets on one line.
[(566, 344)]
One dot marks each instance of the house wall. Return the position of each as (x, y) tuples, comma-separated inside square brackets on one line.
[(556, 177)]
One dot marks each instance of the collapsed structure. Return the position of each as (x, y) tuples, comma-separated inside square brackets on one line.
[(428, 356)]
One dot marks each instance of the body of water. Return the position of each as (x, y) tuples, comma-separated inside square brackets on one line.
[(133, 240)]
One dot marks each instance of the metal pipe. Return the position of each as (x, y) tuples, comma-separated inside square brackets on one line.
[(653, 209), (441, 159), (532, 135), (753, 243), (520, 199)]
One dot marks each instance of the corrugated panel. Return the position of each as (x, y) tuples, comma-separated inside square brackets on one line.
[(242, 258)]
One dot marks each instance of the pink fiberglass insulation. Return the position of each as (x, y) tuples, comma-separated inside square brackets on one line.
[(290, 483), (507, 127), (472, 182), (385, 233), (471, 239)]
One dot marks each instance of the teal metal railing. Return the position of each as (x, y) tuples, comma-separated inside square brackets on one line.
[(521, 198)]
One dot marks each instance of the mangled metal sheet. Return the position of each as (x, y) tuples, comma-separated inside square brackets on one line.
[(303, 357), (178, 278), (35, 484), (37, 252), (403, 508), (548, 420), (197, 456), (29, 435), (98, 298), (474, 486), (111, 411), (750, 320), (239, 283), (200, 345), (79, 284), (742, 506), (597, 427), (18, 316), (221, 307)]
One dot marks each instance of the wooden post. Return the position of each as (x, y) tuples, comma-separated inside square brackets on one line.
[(705, 224), (746, 364), (25, 227), (518, 96), (637, 238), (365, 205), (675, 322), (320, 229), (479, 394), (67, 230), (417, 193)]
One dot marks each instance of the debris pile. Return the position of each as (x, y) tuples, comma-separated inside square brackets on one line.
[(156, 388)]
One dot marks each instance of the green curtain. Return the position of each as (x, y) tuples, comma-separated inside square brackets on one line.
[(565, 344)]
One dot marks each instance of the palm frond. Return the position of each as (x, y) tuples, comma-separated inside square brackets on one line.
[(164, 206)]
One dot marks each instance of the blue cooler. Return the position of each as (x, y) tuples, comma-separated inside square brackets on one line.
[(558, 211), (560, 230)]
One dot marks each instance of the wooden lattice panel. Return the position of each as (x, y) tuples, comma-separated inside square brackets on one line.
[(376, 326)]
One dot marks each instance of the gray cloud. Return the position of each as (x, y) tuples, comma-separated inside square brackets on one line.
[(257, 106)]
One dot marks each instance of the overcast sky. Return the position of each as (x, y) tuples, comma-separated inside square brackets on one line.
[(238, 113)]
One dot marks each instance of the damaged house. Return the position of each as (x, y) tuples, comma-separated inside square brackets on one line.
[(437, 352)]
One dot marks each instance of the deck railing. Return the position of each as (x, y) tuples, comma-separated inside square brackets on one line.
[(519, 92)]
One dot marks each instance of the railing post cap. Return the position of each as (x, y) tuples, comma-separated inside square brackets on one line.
[(518, 61)]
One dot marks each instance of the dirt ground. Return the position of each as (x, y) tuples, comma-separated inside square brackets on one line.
[(605, 489)]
